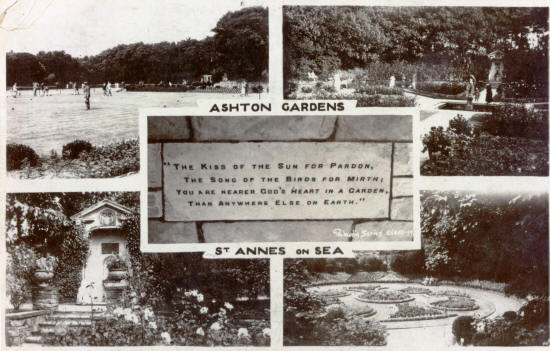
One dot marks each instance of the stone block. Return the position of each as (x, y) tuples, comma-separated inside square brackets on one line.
[(402, 209), (403, 159), (167, 128), (384, 231), (262, 127), (402, 187), (270, 231), (154, 165), (384, 128), (172, 232), (154, 204)]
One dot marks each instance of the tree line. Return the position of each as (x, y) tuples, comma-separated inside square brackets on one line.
[(322, 39), (238, 48)]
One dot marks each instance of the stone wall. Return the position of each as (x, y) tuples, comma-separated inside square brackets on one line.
[(393, 129), (20, 325)]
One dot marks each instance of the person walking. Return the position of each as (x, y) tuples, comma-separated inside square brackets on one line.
[(14, 90), (109, 93), (86, 91)]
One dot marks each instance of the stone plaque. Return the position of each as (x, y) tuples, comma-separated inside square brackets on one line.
[(276, 180)]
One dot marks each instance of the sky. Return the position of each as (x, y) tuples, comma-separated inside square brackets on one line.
[(87, 27)]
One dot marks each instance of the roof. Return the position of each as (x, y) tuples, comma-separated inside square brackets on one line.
[(100, 204)]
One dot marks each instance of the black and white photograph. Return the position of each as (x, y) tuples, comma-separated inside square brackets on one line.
[(75, 81), (280, 179), (76, 277), (436, 58), (481, 278)]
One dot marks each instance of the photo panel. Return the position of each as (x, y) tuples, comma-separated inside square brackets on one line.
[(480, 278), (74, 89), (76, 277)]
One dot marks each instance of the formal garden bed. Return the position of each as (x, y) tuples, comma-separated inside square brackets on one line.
[(408, 312), (513, 140), (456, 303), (416, 290), (78, 159), (384, 297)]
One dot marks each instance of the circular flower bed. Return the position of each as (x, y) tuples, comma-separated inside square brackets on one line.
[(415, 290), (384, 296), (456, 303)]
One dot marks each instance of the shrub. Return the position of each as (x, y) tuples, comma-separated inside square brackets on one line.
[(464, 329), (20, 263), (354, 330), (19, 156), (483, 155), (409, 262), (436, 141), (73, 149), (307, 90), (510, 315), (335, 313), (516, 121), (460, 125)]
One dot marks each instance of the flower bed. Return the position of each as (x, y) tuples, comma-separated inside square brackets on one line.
[(456, 303), (415, 290), (333, 293), (451, 293), (406, 311), (384, 296)]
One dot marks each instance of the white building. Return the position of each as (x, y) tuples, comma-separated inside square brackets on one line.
[(102, 225)]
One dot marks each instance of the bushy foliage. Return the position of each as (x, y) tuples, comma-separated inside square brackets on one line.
[(464, 329), (20, 263), (408, 262), (460, 125), (529, 327), (516, 121), (486, 155), (73, 149), (456, 244), (19, 156), (447, 88), (436, 141)]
